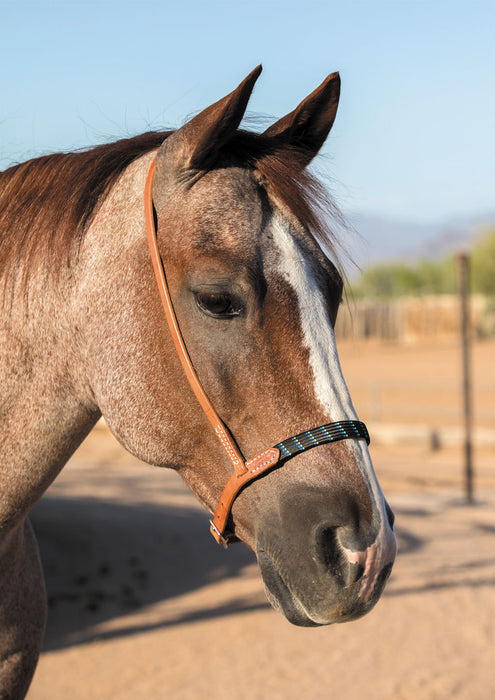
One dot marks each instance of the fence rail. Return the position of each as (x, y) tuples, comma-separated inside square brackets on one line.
[(412, 318), (433, 403)]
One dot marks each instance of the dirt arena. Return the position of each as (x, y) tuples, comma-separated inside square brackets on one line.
[(144, 604)]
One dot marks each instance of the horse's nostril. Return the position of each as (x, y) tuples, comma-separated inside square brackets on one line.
[(332, 555), (358, 572), (390, 515)]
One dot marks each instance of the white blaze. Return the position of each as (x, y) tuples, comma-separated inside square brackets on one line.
[(330, 387)]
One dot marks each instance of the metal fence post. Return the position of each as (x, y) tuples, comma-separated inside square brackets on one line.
[(464, 282)]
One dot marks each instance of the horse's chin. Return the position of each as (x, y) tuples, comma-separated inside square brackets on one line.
[(336, 609)]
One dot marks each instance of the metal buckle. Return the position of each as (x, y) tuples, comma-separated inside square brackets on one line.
[(218, 535)]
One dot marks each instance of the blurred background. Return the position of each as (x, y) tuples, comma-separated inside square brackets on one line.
[(142, 604)]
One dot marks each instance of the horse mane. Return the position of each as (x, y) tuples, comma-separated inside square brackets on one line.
[(48, 203)]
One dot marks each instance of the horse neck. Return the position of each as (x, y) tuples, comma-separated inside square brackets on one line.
[(46, 411), (46, 401)]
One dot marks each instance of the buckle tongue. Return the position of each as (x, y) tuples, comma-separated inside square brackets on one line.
[(218, 535)]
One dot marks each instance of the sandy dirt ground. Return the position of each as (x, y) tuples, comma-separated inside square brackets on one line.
[(419, 383), (144, 604)]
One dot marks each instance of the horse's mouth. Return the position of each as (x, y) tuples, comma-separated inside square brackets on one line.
[(340, 604), (279, 594)]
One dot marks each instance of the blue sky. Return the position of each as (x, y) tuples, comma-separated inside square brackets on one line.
[(415, 134)]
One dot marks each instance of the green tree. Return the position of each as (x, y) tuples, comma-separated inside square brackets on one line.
[(388, 280), (483, 264), (437, 277)]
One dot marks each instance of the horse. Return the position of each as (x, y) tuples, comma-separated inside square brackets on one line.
[(240, 227)]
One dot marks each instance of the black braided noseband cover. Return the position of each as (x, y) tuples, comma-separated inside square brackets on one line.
[(331, 432)]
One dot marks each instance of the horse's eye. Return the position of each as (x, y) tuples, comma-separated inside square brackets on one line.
[(217, 304)]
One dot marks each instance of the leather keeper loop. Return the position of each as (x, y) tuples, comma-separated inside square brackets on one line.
[(254, 468)]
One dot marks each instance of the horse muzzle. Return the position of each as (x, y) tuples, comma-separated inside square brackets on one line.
[(335, 573)]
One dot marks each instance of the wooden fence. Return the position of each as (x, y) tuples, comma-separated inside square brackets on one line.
[(409, 319)]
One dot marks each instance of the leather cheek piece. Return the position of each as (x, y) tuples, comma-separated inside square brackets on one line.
[(254, 468)]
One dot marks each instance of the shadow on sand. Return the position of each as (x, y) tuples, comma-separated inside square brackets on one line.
[(104, 560)]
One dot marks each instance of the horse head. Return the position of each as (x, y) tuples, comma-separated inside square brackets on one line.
[(256, 300)]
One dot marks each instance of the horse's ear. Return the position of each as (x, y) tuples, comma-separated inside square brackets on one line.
[(195, 145), (307, 127)]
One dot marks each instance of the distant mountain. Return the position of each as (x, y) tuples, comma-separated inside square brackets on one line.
[(372, 239)]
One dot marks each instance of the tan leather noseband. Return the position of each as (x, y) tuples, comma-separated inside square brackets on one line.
[(244, 471)]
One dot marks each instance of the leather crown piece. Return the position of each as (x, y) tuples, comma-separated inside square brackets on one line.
[(244, 471)]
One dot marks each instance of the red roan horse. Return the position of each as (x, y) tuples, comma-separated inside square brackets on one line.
[(83, 335)]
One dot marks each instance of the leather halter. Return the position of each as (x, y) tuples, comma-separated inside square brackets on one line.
[(244, 471)]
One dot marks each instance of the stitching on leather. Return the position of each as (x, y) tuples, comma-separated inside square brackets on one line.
[(268, 461), (226, 445)]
